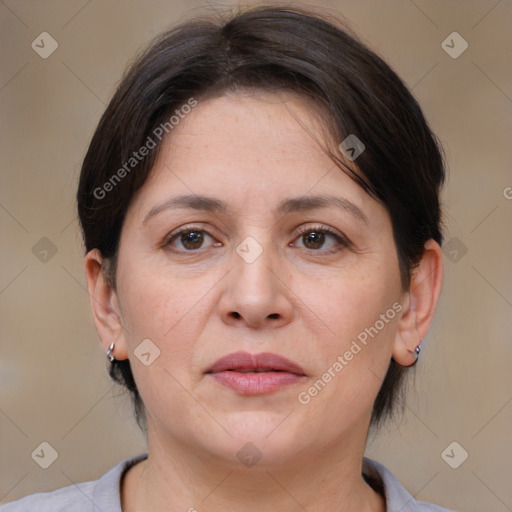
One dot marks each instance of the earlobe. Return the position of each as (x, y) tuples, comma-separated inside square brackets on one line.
[(419, 305), (104, 306)]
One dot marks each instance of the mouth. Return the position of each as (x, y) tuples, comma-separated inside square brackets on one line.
[(255, 374)]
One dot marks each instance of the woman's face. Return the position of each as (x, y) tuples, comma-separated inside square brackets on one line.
[(280, 253)]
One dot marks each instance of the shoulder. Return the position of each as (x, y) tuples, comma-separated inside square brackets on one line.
[(77, 498), (102, 494), (397, 498)]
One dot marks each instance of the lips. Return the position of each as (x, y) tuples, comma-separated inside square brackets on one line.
[(254, 374), (263, 362)]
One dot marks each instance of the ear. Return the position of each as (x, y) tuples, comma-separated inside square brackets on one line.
[(419, 304), (104, 305)]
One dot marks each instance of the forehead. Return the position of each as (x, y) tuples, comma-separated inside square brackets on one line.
[(251, 147), (252, 122)]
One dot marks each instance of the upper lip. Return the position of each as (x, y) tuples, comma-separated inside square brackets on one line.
[(264, 361)]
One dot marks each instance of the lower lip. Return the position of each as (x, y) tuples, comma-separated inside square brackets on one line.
[(256, 383)]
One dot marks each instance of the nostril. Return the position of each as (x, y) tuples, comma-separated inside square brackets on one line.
[(274, 315), (235, 314)]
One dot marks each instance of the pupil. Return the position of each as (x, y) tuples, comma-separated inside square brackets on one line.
[(315, 238), (192, 238)]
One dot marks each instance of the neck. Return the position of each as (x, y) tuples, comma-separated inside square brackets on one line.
[(174, 477)]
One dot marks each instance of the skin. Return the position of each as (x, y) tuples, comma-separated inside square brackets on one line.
[(301, 299)]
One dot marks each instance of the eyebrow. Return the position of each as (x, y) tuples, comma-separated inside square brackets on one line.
[(193, 202), (290, 205), (305, 203)]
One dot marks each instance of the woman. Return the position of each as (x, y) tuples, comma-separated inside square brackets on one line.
[(260, 210)]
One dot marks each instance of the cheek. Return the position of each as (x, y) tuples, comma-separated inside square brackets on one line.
[(170, 314), (357, 318), (353, 302), (351, 370), (170, 310)]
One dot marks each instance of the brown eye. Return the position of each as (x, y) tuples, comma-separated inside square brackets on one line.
[(321, 239), (188, 239), (192, 239), (313, 240)]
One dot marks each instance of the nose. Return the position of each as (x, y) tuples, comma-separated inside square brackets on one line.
[(256, 294)]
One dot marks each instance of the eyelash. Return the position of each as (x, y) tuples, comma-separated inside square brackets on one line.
[(320, 228)]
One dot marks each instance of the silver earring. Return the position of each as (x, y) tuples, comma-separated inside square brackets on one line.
[(417, 350), (110, 357)]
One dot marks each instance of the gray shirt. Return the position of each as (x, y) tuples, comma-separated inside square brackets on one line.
[(103, 495)]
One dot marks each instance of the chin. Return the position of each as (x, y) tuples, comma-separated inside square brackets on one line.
[(257, 435)]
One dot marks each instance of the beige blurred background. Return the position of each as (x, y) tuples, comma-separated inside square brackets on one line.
[(53, 378)]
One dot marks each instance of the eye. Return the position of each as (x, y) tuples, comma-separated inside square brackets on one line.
[(316, 237), (191, 238)]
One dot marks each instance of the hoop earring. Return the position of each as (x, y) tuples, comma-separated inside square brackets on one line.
[(417, 352), (110, 357)]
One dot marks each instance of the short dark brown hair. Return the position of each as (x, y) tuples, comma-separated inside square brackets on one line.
[(272, 49)]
